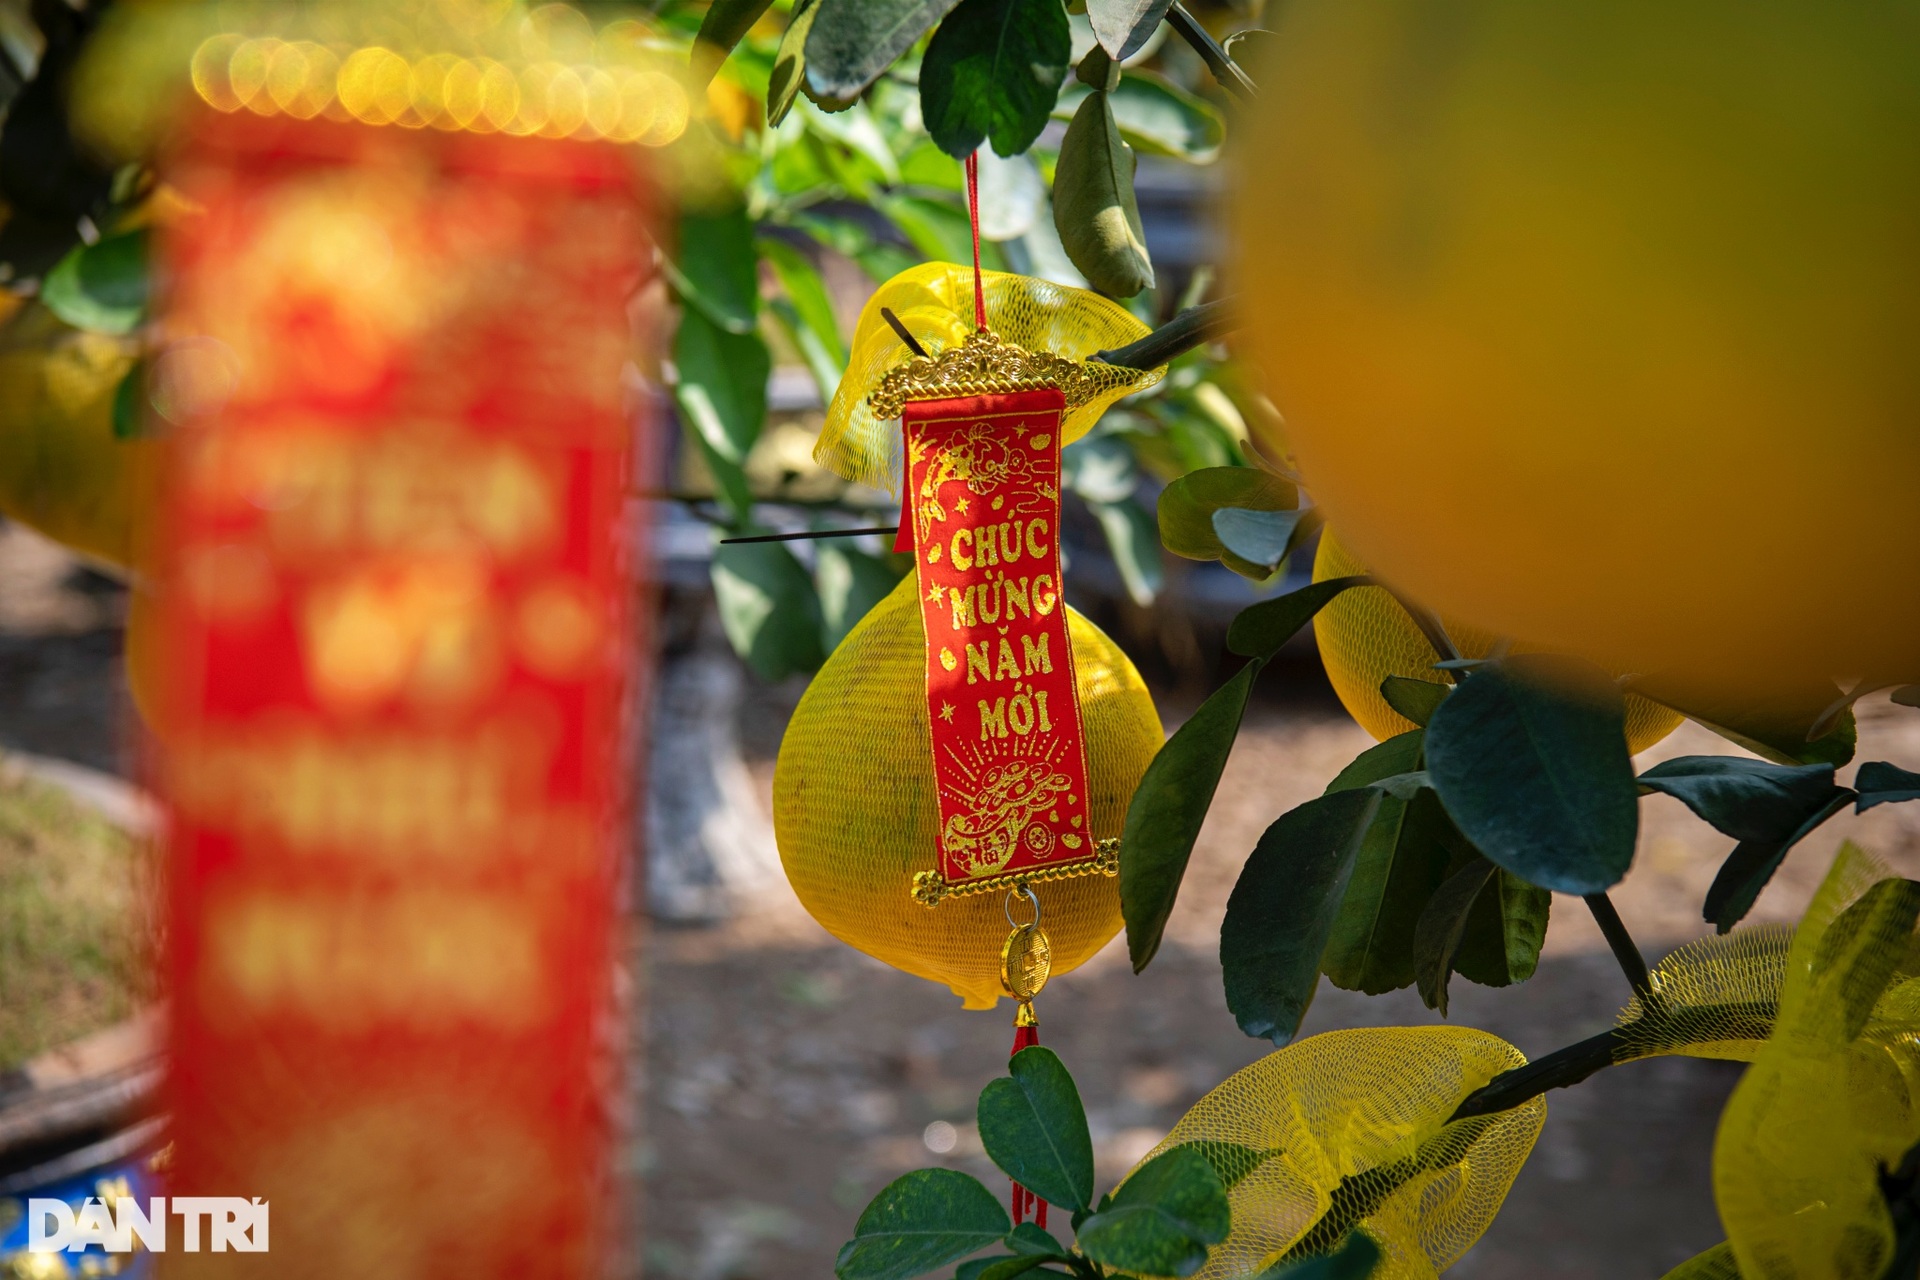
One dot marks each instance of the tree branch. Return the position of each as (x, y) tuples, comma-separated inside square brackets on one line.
[(1189, 329), (1223, 67), (1632, 963)]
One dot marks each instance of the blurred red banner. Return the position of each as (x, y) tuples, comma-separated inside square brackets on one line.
[(395, 628)]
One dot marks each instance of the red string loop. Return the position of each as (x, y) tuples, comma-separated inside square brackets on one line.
[(973, 220)]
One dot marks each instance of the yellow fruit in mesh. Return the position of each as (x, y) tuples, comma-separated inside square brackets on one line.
[(855, 813), (1365, 636), (935, 302), (62, 469), (1364, 1112)]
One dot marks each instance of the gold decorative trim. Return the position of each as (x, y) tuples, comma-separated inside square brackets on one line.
[(985, 365), (930, 887)]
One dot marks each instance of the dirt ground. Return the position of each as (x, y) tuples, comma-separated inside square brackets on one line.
[(791, 1077), (784, 1078)]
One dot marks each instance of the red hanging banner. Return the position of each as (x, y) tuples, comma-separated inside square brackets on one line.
[(983, 500), (395, 624)]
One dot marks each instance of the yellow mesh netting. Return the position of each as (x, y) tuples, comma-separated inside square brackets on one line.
[(1714, 998), (1831, 1098), (1348, 1128), (935, 302), (1716, 1263), (855, 813), (1365, 636)]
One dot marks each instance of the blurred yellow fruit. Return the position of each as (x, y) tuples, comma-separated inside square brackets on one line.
[(1594, 323), (62, 469), (856, 818), (1365, 636)]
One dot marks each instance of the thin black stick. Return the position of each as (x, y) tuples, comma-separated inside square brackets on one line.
[(1224, 69), (1177, 336), (814, 533), (1632, 963), (893, 321)]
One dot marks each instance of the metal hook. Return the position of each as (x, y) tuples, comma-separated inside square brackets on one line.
[(1017, 892)]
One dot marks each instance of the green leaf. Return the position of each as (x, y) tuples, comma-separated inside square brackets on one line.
[(1530, 760), (1168, 806), (724, 25), (715, 271), (1263, 538), (1187, 507), (854, 128), (849, 583), (1403, 858), (1123, 26), (1132, 539), (767, 608), (130, 402), (853, 41), (1355, 1259), (1442, 925), (1094, 209), (921, 1222), (1881, 783), (1907, 695), (1774, 726), (1034, 1240), (1416, 700), (992, 72), (1033, 1127), (102, 287), (1402, 753), (1232, 1161), (1861, 950), (937, 229), (1003, 1267), (1157, 117), (1283, 908), (790, 61), (801, 282), (1746, 799), (721, 384), (1752, 864), (1505, 930), (1260, 629), (1160, 1221)]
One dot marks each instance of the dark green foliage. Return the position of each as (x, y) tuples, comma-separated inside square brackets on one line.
[(1416, 700), (1260, 629), (1033, 1127), (761, 590), (103, 286), (1263, 538), (1746, 799), (1530, 760), (992, 73), (1123, 26), (1752, 863), (1160, 1221), (1403, 858), (1881, 783), (1283, 908), (721, 28), (1355, 1259), (922, 1221), (1164, 817), (1188, 505), (853, 41)]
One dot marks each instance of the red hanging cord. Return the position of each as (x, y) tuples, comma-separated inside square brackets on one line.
[(973, 220), (1025, 1037)]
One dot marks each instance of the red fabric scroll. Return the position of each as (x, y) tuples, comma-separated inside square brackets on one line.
[(983, 499), (395, 620)]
